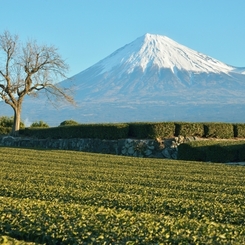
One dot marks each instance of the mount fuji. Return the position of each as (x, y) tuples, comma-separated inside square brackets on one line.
[(150, 79)]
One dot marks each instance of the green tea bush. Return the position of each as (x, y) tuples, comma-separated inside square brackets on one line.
[(63, 197), (143, 130), (189, 129), (219, 130)]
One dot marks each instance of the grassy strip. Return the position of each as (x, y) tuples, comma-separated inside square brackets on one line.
[(62, 197)]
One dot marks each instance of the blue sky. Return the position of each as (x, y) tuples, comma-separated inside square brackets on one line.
[(86, 31)]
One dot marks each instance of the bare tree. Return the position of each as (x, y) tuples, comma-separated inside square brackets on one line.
[(26, 69)]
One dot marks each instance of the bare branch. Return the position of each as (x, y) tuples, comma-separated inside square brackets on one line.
[(28, 69), (8, 44), (2, 86), (2, 74)]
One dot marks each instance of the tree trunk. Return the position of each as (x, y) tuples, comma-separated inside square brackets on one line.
[(16, 125)]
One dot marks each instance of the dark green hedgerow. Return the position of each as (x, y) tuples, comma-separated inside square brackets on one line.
[(219, 130), (140, 130), (239, 130), (189, 129), (143, 130), (100, 131), (214, 151)]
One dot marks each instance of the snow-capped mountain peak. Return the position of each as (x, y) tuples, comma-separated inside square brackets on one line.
[(162, 52)]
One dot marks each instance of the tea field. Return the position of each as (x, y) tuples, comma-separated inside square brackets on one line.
[(68, 197)]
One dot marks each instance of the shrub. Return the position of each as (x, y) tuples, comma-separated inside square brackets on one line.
[(39, 124), (192, 151), (239, 130), (8, 122), (100, 131), (68, 122), (189, 129), (5, 130), (219, 130), (211, 150), (143, 130)]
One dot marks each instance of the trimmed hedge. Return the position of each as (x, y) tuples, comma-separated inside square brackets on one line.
[(100, 131), (219, 130), (189, 129), (214, 151), (142, 130), (239, 130)]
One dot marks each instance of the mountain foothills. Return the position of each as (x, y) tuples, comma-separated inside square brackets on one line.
[(150, 79)]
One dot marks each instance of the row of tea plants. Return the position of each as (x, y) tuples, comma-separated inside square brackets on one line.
[(64, 197)]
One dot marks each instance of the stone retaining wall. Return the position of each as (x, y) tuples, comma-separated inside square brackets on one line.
[(166, 148)]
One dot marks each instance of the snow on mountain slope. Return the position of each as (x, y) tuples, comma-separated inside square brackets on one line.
[(163, 52), (151, 66)]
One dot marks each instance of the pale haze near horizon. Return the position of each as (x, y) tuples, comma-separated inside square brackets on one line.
[(87, 31)]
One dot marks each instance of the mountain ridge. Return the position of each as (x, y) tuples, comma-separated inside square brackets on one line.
[(163, 52)]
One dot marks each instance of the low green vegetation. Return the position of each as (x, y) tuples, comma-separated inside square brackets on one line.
[(68, 122), (5, 130), (6, 124), (213, 151), (139, 130), (189, 129), (6, 240), (219, 130), (67, 197), (100, 131), (39, 124), (142, 130)]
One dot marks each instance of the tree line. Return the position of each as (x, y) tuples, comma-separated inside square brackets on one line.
[(8, 122)]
